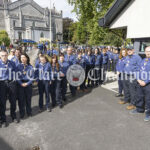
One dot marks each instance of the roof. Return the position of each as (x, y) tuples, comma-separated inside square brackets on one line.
[(113, 12)]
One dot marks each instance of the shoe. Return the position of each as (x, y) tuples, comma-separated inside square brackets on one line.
[(48, 109), (65, 99), (147, 118), (134, 111), (30, 115), (4, 124), (122, 102), (61, 106), (15, 120), (119, 95), (40, 110), (130, 107)]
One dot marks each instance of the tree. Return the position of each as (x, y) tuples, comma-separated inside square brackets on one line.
[(88, 30), (67, 36), (4, 38)]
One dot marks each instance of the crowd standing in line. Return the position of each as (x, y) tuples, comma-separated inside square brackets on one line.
[(17, 77)]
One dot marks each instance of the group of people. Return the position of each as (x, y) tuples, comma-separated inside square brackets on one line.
[(17, 77), (49, 72), (134, 79)]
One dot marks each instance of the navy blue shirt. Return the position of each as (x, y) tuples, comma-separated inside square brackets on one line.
[(71, 60), (90, 60), (132, 64), (7, 70), (43, 71), (26, 73), (63, 67), (105, 58), (98, 60), (144, 71), (15, 60), (120, 65)]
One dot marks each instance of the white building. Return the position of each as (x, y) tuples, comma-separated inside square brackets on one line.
[(25, 19), (132, 15)]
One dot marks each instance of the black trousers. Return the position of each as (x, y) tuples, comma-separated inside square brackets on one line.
[(24, 100), (7, 90), (130, 89), (63, 87), (44, 87), (56, 92)]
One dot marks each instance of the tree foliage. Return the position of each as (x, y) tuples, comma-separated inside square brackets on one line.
[(4, 38), (88, 30)]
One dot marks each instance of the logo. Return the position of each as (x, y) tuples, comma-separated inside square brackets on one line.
[(75, 75)]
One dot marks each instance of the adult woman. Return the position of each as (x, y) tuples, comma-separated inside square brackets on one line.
[(119, 69), (25, 78), (56, 83), (43, 76)]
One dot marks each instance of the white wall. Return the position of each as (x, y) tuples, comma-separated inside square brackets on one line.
[(136, 17)]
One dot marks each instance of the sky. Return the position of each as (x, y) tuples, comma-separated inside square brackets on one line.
[(59, 5)]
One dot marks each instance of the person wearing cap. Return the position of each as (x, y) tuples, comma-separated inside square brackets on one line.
[(131, 66), (143, 88), (12, 54)]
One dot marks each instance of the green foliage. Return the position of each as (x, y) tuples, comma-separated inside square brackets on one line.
[(4, 38), (87, 28)]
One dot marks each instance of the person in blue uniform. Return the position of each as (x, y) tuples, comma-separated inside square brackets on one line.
[(25, 79), (120, 69), (98, 66), (132, 64), (143, 89), (115, 60), (63, 67), (71, 60), (56, 83), (16, 58), (110, 56), (90, 61), (104, 64), (43, 76), (37, 61), (7, 88), (80, 60)]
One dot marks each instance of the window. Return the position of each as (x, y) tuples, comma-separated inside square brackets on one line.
[(144, 45), (42, 35)]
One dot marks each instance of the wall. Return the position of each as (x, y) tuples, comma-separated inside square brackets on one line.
[(136, 18)]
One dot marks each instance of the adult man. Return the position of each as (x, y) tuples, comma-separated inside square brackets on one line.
[(16, 58), (132, 63), (71, 60), (143, 89), (7, 87)]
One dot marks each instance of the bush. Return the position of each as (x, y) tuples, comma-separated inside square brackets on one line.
[(4, 38)]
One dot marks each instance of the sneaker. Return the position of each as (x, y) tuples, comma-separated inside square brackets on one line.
[(15, 120), (4, 124), (147, 118), (134, 111), (130, 107), (40, 110), (48, 109)]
